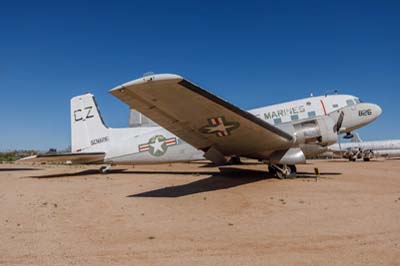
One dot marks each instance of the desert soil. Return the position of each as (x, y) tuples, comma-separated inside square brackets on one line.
[(191, 214)]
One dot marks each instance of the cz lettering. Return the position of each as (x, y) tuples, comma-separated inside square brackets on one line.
[(84, 114)]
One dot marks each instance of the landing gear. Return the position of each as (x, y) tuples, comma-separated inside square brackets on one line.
[(104, 169), (282, 171)]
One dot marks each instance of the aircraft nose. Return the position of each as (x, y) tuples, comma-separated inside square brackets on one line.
[(376, 110)]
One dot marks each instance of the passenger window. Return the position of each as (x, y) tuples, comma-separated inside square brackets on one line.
[(294, 117), (311, 114), (335, 105), (308, 103), (277, 121), (350, 102)]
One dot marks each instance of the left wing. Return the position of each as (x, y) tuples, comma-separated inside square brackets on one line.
[(200, 118)]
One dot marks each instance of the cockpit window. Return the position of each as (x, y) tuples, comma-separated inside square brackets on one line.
[(357, 100), (349, 102)]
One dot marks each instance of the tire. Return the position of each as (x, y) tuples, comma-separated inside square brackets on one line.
[(103, 170), (280, 175), (272, 170), (293, 169)]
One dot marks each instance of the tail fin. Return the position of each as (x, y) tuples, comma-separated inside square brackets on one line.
[(356, 138), (88, 131)]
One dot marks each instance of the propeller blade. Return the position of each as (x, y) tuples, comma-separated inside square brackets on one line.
[(339, 123)]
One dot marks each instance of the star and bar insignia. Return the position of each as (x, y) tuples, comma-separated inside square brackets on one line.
[(219, 126), (157, 145)]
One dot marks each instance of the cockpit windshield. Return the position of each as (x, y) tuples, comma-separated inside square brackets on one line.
[(349, 102)]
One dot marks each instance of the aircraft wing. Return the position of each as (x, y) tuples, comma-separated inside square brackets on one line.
[(200, 118), (75, 158)]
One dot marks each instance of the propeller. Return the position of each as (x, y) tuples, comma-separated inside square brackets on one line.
[(339, 123), (336, 129)]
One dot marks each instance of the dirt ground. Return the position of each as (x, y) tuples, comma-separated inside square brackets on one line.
[(191, 214)]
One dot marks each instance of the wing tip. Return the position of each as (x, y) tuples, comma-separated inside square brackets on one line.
[(143, 80)]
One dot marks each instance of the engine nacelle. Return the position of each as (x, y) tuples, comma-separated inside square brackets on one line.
[(317, 131)]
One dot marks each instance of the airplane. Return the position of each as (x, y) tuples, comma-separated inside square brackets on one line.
[(194, 124), (366, 150)]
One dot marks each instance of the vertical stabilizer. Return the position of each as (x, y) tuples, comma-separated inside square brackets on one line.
[(88, 131)]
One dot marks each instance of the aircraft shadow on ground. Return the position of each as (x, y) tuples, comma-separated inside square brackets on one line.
[(18, 169), (120, 171), (227, 178), (224, 178), (217, 181)]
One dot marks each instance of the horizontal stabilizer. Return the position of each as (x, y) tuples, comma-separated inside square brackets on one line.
[(75, 158)]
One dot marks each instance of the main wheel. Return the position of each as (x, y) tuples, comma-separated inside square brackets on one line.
[(271, 170), (285, 173), (280, 175), (293, 168)]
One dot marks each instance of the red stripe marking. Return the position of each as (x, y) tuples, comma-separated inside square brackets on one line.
[(323, 106), (143, 148), (214, 121)]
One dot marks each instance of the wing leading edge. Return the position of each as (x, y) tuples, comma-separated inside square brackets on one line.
[(202, 119)]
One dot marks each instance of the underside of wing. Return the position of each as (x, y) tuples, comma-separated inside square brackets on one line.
[(75, 158), (202, 119)]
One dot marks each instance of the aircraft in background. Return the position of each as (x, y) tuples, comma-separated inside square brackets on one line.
[(195, 124), (366, 150)]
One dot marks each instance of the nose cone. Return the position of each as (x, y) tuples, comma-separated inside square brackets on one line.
[(376, 110), (357, 116)]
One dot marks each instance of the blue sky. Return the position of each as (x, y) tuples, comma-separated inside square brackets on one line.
[(251, 53)]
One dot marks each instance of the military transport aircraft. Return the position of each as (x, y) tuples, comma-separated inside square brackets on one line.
[(195, 124), (366, 150)]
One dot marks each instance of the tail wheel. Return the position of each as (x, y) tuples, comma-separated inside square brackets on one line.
[(104, 169)]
